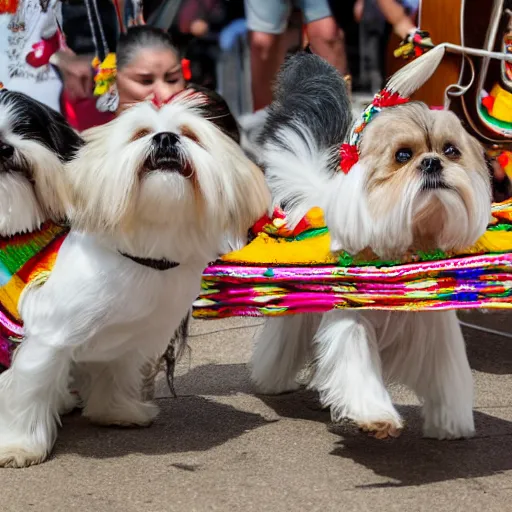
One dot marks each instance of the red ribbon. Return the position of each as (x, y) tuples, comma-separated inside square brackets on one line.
[(388, 99), (159, 103), (185, 69), (348, 157)]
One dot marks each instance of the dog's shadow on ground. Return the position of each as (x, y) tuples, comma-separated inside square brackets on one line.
[(196, 423), (409, 460), (186, 424), (489, 453), (211, 380), (412, 460)]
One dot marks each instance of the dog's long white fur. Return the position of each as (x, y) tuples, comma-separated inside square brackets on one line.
[(23, 206), (358, 352), (100, 316), (302, 155)]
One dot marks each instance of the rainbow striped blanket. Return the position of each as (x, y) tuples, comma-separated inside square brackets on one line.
[(286, 272), (25, 259)]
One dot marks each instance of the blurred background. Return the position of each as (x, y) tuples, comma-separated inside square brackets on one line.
[(214, 36)]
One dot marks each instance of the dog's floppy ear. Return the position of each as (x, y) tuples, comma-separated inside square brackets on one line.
[(216, 110), (36, 121), (66, 140)]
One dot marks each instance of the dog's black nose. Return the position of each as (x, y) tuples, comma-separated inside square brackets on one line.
[(6, 151), (165, 140), (431, 165)]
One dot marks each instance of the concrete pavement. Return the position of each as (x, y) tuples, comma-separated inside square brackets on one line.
[(219, 447)]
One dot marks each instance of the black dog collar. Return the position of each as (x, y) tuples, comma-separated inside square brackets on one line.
[(162, 264)]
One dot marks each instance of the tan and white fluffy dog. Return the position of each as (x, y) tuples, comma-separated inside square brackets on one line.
[(421, 182), (153, 195)]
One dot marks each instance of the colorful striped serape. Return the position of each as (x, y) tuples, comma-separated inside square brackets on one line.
[(25, 259), (282, 272)]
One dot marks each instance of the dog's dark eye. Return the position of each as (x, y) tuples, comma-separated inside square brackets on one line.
[(451, 151), (403, 155)]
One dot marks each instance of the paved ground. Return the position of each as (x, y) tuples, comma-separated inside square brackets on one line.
[(219, 447)]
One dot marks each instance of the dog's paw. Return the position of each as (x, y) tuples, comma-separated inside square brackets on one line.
[(141, 414), (448, 432), (384, 429), (432, 432), (444, 422), (16, 456)]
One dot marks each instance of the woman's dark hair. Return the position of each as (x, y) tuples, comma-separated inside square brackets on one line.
[(141, 38)]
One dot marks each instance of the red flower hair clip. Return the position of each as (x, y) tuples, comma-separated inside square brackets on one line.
[(349, 156), (386, 98), (185, 69)]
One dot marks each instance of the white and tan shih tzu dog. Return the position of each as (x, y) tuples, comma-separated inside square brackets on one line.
[(420, 182), (152, 194)]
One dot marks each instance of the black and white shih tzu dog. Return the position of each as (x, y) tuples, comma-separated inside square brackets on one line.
[(152, 196), (35, 142), (421, 182)]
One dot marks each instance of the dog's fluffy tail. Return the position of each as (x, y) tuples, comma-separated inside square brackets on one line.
[(307, 123)]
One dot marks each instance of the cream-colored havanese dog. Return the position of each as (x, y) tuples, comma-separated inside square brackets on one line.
[(153, 196), (421, 182)]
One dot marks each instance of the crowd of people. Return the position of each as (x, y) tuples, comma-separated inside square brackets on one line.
[(47, 46)]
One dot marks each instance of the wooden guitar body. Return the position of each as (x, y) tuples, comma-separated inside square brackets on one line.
[(460, 82)]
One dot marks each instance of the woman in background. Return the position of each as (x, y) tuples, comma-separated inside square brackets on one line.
[(148, 65)]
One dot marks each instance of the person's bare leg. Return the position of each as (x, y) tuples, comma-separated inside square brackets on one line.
[(327, 40), (267, 54)]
